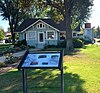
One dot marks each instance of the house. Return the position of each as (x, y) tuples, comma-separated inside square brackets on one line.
[(41, 32)]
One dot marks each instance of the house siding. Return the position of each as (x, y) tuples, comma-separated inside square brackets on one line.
[(32, 42), (51, 42), (21, 36)]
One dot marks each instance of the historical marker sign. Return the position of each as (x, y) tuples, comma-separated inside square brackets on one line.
[(41, 60)]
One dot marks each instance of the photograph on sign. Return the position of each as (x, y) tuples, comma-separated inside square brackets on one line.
[(42, 60)]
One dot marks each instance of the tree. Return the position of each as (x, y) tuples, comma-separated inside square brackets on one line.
[(98, 31), (1, 34), (10, 10), (34, 9), (67, 10)]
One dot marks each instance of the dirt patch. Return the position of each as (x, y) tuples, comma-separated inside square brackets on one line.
[(74, 57), (9, 67)]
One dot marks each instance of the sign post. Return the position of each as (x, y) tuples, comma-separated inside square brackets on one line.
[(41, 60), (24, 74), (62, 81)]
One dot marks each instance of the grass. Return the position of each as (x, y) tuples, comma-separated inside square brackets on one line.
[(81, 75), (86, 64)]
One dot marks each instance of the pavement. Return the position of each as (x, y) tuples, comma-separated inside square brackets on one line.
[(18, 54), (97, 43)]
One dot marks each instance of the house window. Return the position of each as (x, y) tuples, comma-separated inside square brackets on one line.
[(78, 34), (32, 35), (62, 36), (40, 25), (74, 34), (50, 35)]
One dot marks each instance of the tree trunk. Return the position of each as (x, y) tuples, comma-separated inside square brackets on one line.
[(69, 42), (12, 30), (13, 36), (12, 33)]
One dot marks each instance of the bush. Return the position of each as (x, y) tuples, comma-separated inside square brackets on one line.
[(17, 44), (2, 64), (87, 42), (98, 41), (23, 42), (77, 43), (20, 43), (10, 59), (31, 46), (50, 46), (62, 44)]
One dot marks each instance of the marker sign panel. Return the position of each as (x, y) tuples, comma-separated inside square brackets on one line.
[(41, 60)]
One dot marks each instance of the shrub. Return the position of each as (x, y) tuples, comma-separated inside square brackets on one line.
[(20, 43), (50, 46), (2, 64), (23, 42), (98, 41), (62, 44), (87, 41), (31, 46), (10, 59), (77, 43)]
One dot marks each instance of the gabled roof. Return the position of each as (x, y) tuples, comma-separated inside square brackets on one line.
[(29, 22)]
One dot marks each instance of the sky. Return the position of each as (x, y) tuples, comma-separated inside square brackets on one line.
[(94, 19)]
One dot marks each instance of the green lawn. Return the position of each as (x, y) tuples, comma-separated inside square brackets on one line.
[(81, 75)]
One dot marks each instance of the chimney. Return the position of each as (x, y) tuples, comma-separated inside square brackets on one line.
[(87, 25)]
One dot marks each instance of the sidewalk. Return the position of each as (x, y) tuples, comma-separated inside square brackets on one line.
[(97, 43), (18, 54)]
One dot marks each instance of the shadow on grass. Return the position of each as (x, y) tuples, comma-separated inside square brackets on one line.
[(64, 49), (40, 81)]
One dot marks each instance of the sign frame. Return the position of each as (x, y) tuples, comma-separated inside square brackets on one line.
[(44, 53)]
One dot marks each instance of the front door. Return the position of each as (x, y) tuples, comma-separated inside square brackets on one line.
[(41, 37)]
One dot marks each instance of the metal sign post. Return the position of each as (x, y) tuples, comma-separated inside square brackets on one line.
[(24, 74), (62, 80)]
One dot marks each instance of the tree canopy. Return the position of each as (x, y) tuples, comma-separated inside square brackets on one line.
[(10, 10)]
